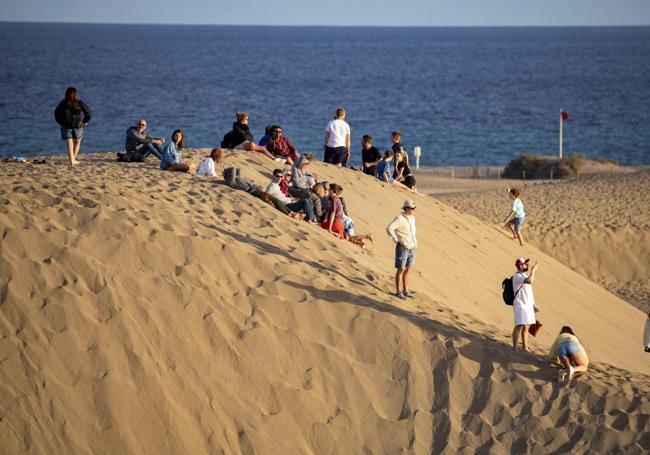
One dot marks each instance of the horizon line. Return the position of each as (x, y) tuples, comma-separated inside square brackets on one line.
[(197, 24)]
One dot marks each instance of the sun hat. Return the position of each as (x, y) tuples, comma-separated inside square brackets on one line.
[(521, 260), (409, 204)]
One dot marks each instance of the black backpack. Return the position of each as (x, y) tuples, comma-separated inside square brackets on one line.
[(226, 142), (509, 293)]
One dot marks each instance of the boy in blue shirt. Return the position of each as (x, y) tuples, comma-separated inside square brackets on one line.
[(515, 219)]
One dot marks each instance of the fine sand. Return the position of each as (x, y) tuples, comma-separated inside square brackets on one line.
[(598, 225), (158, 313)]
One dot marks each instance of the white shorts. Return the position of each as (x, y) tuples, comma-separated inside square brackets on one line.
[(524, 314)]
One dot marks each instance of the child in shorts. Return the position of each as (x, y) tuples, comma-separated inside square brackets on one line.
[(515, 219)]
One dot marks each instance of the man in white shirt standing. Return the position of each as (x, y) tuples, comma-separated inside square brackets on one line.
[(524, 303), (337, 140), (402, 231)]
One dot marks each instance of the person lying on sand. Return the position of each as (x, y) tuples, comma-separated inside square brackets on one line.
[(569, 353), (171, 154), (515, 219)]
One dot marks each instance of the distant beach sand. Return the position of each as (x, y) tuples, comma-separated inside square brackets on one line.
[(157, 313)]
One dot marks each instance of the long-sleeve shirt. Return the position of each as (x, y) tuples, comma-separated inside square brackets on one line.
[(274, 190), (402, 230), (72, 117), (282, 146), (136, 139), (170, 155)]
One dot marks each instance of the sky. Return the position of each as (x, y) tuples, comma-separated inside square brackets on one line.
[(334, 12)]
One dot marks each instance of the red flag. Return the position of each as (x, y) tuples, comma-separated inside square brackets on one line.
[(564, 115)]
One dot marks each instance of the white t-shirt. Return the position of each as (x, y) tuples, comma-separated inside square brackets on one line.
[(525, 295), (338, 130), (206, 168)]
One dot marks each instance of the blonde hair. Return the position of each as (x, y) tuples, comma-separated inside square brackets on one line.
[(241, 116)]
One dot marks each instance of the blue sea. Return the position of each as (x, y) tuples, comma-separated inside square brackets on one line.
[(465, 95)]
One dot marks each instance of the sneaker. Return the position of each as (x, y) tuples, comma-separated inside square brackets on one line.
[(647, 349), (571, 371), (409, 294), (400, 295)]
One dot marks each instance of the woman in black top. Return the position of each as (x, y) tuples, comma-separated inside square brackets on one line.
[(72, 115), (241, 138), (403, 170)]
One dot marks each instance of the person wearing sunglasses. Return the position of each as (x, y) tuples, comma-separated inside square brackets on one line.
[(280, 146)]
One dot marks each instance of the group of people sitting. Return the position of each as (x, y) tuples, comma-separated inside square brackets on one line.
[(392, 168)]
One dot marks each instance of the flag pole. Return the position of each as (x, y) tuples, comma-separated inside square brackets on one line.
[(561, 119)]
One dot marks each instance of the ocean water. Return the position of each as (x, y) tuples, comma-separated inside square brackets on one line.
[(465, 95)]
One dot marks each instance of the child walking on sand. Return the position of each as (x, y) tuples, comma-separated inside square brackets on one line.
[(515, 219)]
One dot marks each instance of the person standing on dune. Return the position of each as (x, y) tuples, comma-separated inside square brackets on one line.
[(72, 115), (646, 334), (402, 231), (524, 302)]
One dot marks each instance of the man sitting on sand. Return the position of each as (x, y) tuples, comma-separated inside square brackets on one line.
[(139, 145), (280, 146), (293, 204)]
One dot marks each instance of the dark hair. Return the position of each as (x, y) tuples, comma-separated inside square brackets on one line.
[(514, 192), (367, 138), (567, 329), (181, 142), (215, 154), (336, 188), (388, 154), (71, 97), (278, 172), (269, 129), (339, 112), (397, 134)]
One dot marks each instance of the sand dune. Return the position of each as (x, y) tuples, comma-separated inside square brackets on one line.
[(599, 226), (145, 312)]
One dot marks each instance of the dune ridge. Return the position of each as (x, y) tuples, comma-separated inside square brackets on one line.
[(598, 225), (145, 312)]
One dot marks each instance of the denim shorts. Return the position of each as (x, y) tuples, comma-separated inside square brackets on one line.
[(71, 133), (517, 223), (404, 257), (567, 349)]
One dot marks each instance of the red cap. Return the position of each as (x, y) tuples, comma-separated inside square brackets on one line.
[(520, 261)]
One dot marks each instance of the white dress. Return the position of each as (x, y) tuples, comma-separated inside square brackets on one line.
[(524, 304)]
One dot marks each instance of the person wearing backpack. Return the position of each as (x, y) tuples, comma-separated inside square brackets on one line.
[(524, 301)]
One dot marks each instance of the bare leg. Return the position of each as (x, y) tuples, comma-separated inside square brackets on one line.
[(70, 145), (77, 146), (580, 362), (509, 227), (405, 280), (262, 150), (515, 336), (360, 239), (524, 337), (518, 236), (398, 278)]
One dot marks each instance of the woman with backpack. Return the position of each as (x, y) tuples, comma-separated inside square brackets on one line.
[(72, 115)]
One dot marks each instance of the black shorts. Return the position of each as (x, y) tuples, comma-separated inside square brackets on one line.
[(335, 155), (409, 181)]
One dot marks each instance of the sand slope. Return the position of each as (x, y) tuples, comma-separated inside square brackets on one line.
[(143, 312), (599, 226)]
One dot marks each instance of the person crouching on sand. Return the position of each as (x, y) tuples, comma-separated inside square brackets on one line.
[(515, 219), (171, 154), (568, 352)]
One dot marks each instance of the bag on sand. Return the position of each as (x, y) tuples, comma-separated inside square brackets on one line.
[(535, 328)]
